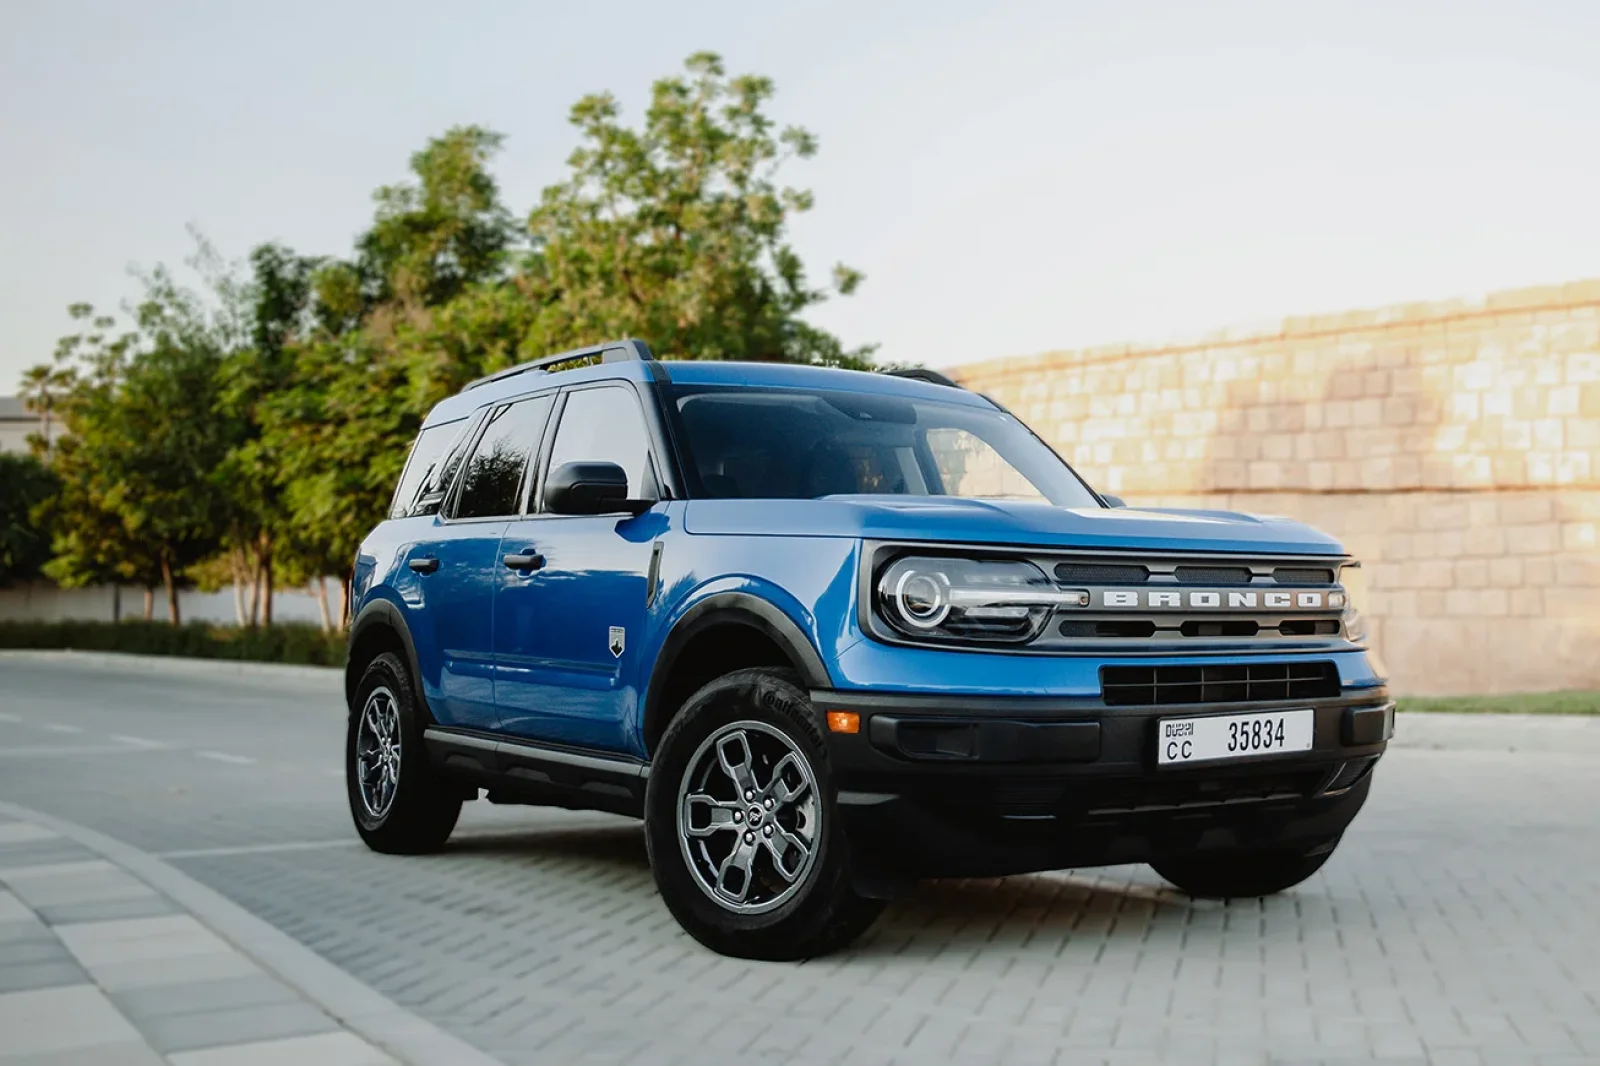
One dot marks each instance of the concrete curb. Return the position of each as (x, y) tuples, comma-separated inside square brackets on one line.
[(172, 664), (1572, 734), (359, 1008)]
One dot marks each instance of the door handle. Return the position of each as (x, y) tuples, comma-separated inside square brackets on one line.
[(424, 564), (528, 560)]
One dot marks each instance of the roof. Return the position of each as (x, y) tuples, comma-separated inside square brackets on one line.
[(704, 372), (12, 409)]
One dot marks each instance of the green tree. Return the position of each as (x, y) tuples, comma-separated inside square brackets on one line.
[(25, 485), (90, 543), (676, 232), (425, 306), (277, 307), (45, 386)]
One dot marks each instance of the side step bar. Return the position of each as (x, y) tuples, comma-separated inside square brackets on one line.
[(524, 772)]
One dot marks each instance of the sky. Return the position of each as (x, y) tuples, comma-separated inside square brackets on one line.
[(1011, 177)]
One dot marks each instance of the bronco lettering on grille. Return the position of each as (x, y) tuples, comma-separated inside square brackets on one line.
[(1220, 599)]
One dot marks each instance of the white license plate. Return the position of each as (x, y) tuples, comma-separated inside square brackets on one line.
[(1233, 736)]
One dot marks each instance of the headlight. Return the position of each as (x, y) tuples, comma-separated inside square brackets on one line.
[(1354, 580), (995, 600)]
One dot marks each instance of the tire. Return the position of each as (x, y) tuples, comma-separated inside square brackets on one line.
[(1242, 874), (413, 810), (765, 876)]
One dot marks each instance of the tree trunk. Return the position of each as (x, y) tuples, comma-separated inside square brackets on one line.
[(266, 572), (116, 603), (149, 604), (255, 596), (240, 567), (344, 600), (168, 580), (320, 588)]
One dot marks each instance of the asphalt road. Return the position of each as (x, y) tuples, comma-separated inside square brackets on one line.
[(1458, 923)]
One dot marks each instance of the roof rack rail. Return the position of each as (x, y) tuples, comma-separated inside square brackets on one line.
[(607, 352), (922, 373)]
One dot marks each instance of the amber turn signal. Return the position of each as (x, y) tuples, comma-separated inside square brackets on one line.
[(844, 722)]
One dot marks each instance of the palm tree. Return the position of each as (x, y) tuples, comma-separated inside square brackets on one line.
[(43, 386)]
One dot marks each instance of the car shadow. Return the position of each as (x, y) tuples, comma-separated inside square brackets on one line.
[(621, 845), (937, 916)]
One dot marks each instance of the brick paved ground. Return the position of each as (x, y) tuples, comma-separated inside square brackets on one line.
[(97, 968), (1457, 924)]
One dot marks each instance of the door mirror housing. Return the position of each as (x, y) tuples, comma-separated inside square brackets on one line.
[(590, 489), (1112, 501)]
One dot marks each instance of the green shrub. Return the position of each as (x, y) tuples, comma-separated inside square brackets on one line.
[(288, 643), (1569, 702)]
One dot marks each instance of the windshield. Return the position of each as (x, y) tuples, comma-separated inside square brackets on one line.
[(795, 444)]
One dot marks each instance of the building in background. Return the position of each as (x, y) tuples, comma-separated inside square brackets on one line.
[(1454, 447), (16, 422)]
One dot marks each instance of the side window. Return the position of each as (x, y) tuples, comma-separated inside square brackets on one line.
[(425, 456), (442, 472), (493, 475), (605, 425), (969, 466)]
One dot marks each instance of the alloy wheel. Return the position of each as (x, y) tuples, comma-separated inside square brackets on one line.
[(749, 817), (378, 752)]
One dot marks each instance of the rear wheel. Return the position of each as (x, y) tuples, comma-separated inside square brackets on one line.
[(399, 803), (1242, 874), (741, 824)]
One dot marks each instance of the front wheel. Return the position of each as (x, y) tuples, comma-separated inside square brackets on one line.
[(742, 826), (398, 801), (1242, 874)]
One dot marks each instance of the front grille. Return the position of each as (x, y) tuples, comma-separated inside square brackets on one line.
[(1131, 630), (1321, 627), (1212, 575), (1301, 575), (1101, 574), (1128, 686), (1220, 627)]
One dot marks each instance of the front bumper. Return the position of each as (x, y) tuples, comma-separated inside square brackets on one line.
[(978, 786)]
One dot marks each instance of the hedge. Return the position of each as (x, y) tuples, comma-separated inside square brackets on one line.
[(288, 643)]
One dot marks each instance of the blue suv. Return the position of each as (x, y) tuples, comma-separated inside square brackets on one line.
[(828, 632)]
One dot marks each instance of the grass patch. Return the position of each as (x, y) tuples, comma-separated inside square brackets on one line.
[(305, 645), (1572, 702)]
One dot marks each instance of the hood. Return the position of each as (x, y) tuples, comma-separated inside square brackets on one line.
[(953, 519)]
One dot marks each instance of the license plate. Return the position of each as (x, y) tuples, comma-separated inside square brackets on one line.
[(1233, 736)]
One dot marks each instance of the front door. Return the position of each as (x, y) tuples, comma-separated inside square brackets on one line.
[(569, 625), (452, 576)]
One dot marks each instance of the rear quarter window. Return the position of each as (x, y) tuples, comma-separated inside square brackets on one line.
[(423, 468)]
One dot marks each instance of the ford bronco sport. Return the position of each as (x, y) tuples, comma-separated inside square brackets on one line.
[(828, 632)]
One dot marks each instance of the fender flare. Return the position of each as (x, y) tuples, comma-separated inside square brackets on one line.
[(738, 608), (382, 614)]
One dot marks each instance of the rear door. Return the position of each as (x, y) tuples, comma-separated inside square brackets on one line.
[(568, 630), (458, 564)]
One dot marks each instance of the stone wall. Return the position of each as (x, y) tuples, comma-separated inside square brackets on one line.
[(1454, 447)]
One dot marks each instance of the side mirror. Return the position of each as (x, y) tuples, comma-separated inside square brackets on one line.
[(1112, 501), (590, 489)]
